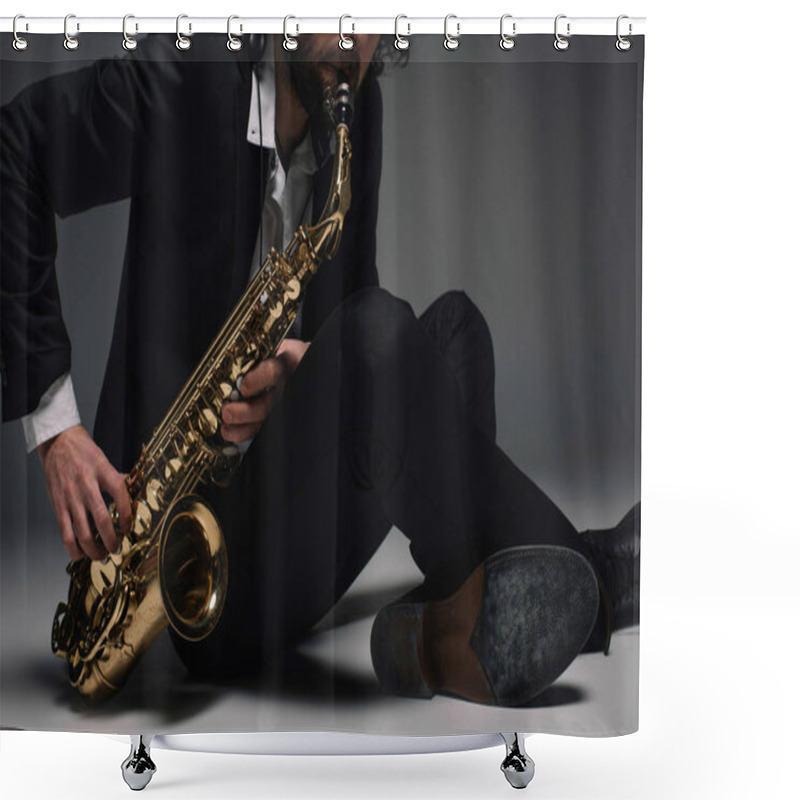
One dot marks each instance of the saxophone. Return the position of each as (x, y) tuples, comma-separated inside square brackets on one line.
[(171, 568)]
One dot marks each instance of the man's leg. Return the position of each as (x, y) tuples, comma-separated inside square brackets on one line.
[(507, 602), (460, 333), (463, 338), (430, 415), (383, 422)]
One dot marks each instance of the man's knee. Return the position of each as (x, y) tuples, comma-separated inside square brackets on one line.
[(453, 320), (376, 325), (455, 303), (375, 305)]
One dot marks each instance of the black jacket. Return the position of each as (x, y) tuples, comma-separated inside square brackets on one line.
[(167, 129)]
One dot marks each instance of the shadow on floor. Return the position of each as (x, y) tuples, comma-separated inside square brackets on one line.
[(160, 684)]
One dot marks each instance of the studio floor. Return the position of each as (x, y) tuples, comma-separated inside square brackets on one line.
[(328, 684)]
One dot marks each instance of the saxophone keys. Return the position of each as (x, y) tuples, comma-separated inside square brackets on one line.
[(118, 558), (246, 366), (207, 422), (224, 460), (293, 289), (154, 493), (115, 521), (172, 468), (187, 443), (90, 598), (275, 308), (143, 519)]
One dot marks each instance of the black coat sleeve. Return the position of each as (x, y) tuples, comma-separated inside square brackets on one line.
[(66, 145)]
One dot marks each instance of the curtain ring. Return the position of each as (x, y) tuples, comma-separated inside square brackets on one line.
[(507, 42), (451, 42), (19, 42), (70, 42), (623, 44), (234, 44), (289, 43), (561, 43), (128, 42), (182, 42), (400, 42), (345, 42)]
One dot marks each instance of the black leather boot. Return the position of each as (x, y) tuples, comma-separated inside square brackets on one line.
[(614, 554)]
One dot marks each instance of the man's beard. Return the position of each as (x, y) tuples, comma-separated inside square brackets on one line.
[(313, 83)]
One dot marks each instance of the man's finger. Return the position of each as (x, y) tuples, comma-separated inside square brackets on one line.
[(264, 375), (68, 535), (292, 351), (83, 533), (239, 433), (244, 413), (102, 521), (113, 482)]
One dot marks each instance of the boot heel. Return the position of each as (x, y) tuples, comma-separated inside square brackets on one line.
[(393, 646)]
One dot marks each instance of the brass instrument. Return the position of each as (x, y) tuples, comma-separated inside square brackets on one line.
[(171, 569)]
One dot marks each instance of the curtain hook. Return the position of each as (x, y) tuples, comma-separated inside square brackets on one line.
[(400, 42), (70, 42), (623, 44), (128, 42), (19, 42), (451, 42), (289, 43), (345, 42), (561, 43), (234, 44), (182, 42), (507, 42)]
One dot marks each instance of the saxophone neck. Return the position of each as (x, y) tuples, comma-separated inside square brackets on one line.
[(325, 235)]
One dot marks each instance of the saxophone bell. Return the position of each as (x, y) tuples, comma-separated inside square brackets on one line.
[(192, 568)]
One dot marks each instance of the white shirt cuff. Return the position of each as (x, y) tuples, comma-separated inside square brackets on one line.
[(57, 411)]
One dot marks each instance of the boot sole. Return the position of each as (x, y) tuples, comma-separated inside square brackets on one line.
[(503, 637)]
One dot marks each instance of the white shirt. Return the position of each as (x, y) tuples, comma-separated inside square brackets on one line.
[(287, 199)]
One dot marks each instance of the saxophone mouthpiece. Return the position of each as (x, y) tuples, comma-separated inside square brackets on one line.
[(342, 101)]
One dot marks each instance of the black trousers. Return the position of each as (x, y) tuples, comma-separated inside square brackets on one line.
[(388, 420)]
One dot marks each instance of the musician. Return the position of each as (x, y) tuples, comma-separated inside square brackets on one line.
[(368, 416)]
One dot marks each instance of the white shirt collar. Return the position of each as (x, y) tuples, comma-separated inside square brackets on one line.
[(263, 84)]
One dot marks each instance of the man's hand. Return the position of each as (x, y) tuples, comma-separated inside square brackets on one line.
[(76, 472), (260, 389)]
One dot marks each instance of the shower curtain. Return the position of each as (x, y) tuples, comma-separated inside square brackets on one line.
[(431, 519)]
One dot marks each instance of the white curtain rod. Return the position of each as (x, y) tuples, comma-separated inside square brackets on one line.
[(407, 26)]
